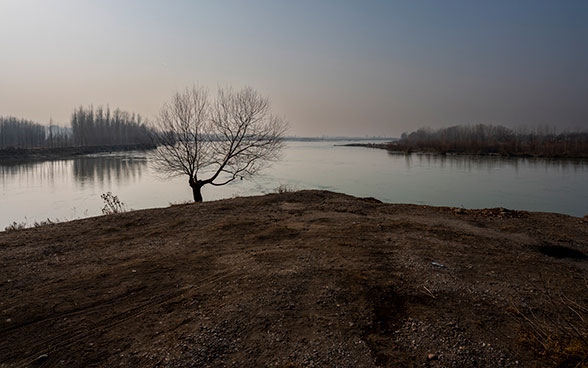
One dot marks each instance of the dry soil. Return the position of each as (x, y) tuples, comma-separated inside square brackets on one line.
[(304, 279)]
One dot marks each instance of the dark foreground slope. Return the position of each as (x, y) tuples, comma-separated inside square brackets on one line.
[(297, 279)]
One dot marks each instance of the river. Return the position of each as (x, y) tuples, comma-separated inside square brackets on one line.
[(70, 188)]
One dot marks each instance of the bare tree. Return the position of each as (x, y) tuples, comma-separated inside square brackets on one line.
[(216, 141)]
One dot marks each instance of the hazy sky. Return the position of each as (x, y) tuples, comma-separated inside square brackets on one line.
[(330, 67)]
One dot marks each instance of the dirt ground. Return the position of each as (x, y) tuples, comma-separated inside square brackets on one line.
[(304, 279)]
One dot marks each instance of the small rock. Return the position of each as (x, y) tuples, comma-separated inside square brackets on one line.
[(432, 357)]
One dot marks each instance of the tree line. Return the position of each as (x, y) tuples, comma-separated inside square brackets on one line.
[(495, 139), (88, 127), (21, 133), (103, 128)]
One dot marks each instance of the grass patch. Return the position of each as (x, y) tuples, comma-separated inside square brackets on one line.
[(560, 336), (15, 226)]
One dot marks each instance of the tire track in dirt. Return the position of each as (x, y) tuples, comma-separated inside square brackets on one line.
[(69, 338)]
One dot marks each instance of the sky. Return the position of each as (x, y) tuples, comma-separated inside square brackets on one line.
[(350, 68)]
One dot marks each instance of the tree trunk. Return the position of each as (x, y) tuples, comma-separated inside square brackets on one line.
[(197, 194), (196, 186)]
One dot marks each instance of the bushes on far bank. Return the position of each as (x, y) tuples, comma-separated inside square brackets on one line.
[(494, 140)]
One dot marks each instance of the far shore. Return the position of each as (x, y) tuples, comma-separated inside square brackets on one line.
[(17, 154), (392, 147)]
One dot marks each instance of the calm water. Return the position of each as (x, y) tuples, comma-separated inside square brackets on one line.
[(70, 189)]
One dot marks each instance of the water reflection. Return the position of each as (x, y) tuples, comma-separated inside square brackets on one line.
[(40, 172), (87, 170), (107, 170), (476, 163)]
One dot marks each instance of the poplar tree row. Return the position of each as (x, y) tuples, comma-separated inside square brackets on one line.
[(89, 127), (104, 128), (20, 133)]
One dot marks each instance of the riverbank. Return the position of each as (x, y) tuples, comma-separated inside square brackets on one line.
[(18, 154), (310, 278), (395, 147)]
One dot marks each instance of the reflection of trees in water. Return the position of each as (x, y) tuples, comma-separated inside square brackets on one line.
[(90, 170), (470, 162), (34, 171), (85, 170)]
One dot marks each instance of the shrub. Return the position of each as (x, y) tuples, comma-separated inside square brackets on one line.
[(112, 204), (16, 226), (45, 222), (284, 188)]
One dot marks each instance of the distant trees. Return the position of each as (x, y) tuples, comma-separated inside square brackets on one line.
[(20, 133), (57, 136), (89, 127), (215, 142), (493, 139), (104, 128)]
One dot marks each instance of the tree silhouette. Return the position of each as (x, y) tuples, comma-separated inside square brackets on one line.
[(216, 141)]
